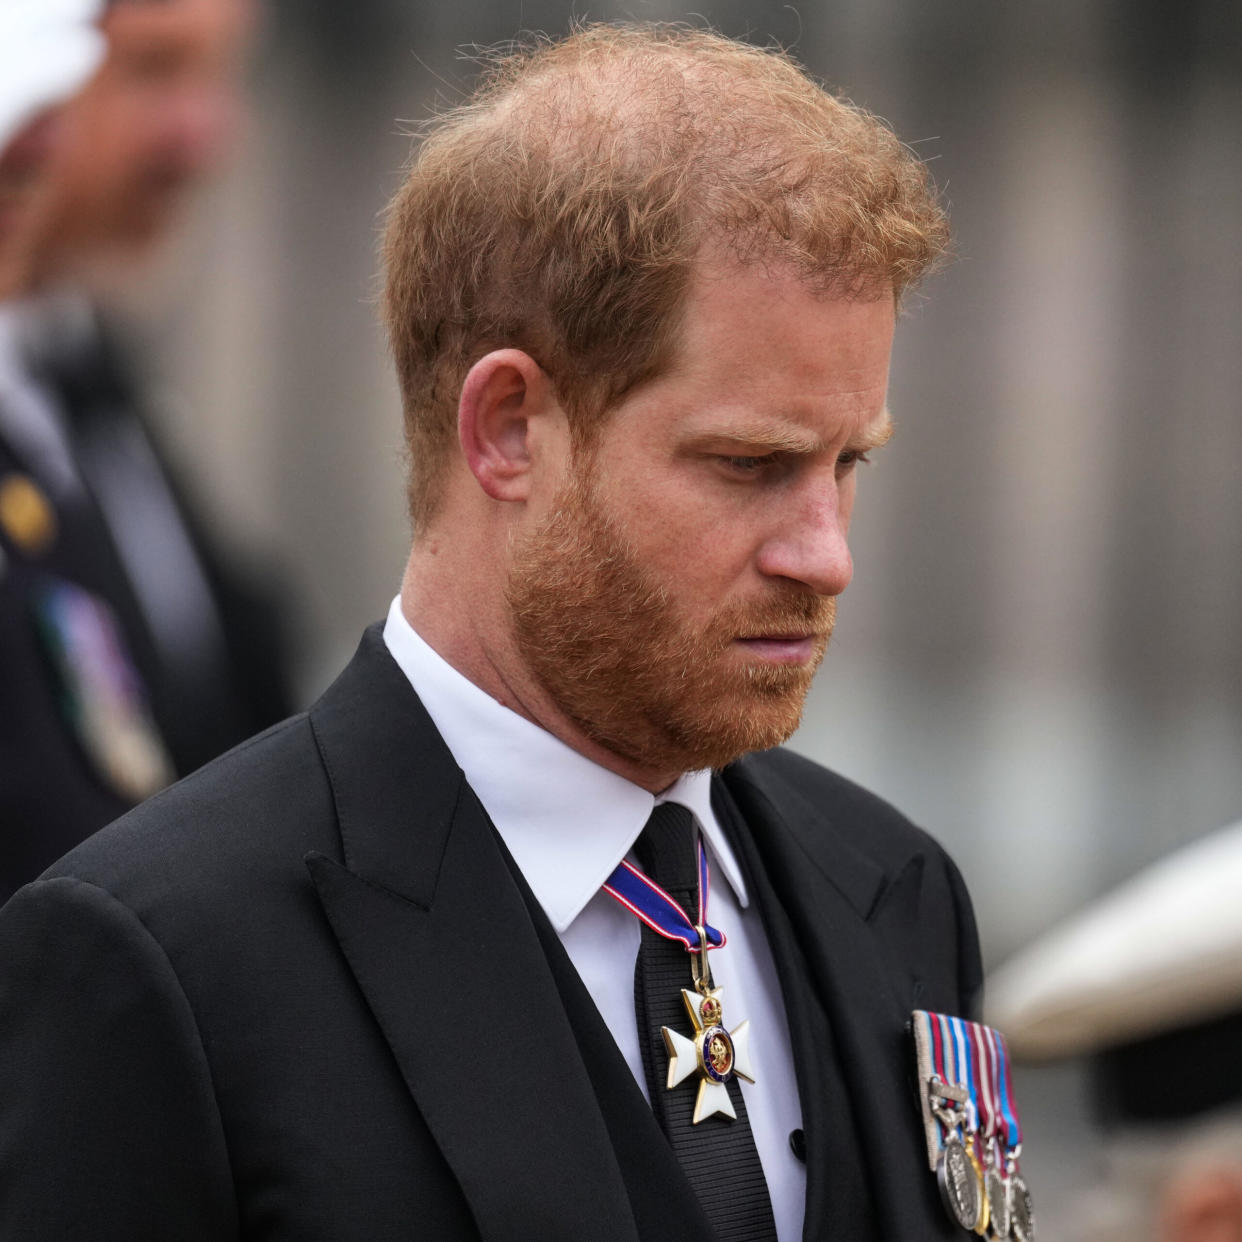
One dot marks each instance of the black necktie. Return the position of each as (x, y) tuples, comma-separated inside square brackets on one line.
[(718, 1155)]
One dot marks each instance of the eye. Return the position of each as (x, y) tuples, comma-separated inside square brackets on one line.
[(852, 457), (747, 465)]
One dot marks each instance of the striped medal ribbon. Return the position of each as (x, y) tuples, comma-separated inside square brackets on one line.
[(974, 1136), (643, 897), (713, 1055)]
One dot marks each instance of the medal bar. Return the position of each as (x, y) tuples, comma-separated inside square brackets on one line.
[(974, 1138)]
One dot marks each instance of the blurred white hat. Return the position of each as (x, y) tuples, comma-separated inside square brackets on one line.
[(1160, 953), (48, 49)]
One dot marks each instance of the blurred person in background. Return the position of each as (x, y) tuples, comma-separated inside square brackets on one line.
[(47, 50), (377, 974), (131, 652), (160, 115), (1146, 983)]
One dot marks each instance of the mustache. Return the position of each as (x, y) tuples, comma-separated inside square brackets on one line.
[(790, 612)]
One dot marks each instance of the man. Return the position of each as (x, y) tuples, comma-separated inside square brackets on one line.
[(129, 652), (47, 50), (378, 973), (152, 124)]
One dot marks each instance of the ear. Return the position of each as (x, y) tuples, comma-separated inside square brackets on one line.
[(504, 392)]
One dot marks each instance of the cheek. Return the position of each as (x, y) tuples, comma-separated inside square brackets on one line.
[(696, 538), (700, 555)]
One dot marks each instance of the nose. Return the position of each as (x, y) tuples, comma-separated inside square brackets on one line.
[(810, 543), (198, 128)]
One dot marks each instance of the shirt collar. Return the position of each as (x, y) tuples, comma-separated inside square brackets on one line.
[(567, 821), (11, 360)]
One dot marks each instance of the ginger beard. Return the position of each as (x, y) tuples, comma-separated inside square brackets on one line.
[(604, 637)]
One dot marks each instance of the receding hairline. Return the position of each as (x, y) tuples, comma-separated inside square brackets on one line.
[(564, 208)]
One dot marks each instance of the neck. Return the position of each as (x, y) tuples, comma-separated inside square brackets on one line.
[(458, 609)]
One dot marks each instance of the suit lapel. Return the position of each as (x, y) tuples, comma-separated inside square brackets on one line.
[(440, 942), (830, 892), (838, 1197)]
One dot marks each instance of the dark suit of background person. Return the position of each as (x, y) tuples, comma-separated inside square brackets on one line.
[(199, 645), (131, 651), (302, 995)]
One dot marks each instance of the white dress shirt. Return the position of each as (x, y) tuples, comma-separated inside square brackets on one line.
[(568, 823), (30, 418)]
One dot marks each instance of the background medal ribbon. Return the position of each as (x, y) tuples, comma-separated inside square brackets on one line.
[(643, 897)]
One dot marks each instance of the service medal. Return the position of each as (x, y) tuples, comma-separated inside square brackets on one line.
[(970, 1119), (985, 1208), (1021, 1210), (959, 1184), (997, 1190)]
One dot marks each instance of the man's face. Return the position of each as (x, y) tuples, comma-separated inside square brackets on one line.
[(23, 162), (678, 595), (154, 120)]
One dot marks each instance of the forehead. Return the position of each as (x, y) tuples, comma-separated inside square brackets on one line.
[(730, 303), (754, 341), (135, 26)]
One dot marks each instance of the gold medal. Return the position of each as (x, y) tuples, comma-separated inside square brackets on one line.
[(981, 1223)]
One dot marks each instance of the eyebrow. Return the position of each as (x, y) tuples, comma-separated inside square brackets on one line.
[(782, 437), (876, 435)]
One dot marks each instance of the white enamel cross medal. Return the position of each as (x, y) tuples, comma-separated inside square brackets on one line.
[(714, 1053)]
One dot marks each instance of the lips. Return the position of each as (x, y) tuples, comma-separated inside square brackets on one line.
[(782, 648)]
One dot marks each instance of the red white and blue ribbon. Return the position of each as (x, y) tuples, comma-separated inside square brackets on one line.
[(976, 1057), (983, 1044), (641, 896), (1010, 1123)]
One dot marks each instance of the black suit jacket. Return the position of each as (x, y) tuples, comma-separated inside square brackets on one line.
[(303, 995), (203, 701)]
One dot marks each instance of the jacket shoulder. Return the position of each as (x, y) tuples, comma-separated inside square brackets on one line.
[(263, 803), (910, 888), (866, 821)]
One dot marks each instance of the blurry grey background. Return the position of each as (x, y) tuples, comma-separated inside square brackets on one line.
[(1040, 659)]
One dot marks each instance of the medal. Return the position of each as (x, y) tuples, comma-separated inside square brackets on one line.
[(971, 1125), (959, 1187), (26, 514), (1021, 1210), (985, 1082), (100, 692), (997, 1190), (950, 1116), (713, 1052), (983, 1214)]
